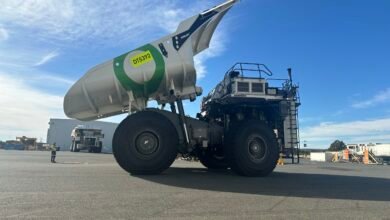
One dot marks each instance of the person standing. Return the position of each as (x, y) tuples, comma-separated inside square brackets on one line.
[(53, 152)]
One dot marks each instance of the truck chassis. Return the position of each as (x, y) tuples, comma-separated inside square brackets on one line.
[(244, 124)]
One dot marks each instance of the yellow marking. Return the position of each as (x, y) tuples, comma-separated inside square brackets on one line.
[(141, 59)]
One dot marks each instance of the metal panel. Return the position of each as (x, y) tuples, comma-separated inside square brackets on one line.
[(242, 86), (258, 87)]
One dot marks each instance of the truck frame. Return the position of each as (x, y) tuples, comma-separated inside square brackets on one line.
[(244, 123)]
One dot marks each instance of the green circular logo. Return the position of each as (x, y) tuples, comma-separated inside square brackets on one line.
[(147, 87)]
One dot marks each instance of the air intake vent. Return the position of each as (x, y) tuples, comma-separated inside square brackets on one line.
[(257, 87), (242, 87)]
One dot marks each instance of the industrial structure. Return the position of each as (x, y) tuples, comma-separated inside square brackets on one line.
[(356, 153), (23, 143), (60, 131), (375, 153)]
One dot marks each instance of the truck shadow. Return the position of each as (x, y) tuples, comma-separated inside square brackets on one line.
[(278, 184), (68, 162)]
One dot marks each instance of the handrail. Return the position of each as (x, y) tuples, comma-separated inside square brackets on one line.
[(252, 67)]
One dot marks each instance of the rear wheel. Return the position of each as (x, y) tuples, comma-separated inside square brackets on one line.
[(252, 149), (145, 143), (75, 149), (99, 149), (213, 159)]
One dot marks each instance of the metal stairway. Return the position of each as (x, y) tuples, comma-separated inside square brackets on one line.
[(291, 130), (372, 158), (356, 158)]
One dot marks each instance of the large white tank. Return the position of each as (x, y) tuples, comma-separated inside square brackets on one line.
[(162, 70)]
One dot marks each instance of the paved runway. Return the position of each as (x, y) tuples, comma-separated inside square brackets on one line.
[(92, 186)]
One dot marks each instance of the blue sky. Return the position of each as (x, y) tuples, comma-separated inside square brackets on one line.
[(338, 50)]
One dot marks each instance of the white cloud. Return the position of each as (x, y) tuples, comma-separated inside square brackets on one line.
[(49, 16), (14, 55), (381, 97), (171, 18), (45, 77), (376, 130), (27, 95), (19, 65), (3, 34), (46, 58), (107, 21), (25, 110)]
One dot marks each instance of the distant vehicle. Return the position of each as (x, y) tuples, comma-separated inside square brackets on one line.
[(86, 139), (380, 151)]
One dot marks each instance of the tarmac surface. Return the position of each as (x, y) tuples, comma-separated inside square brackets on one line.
[(93, 186)]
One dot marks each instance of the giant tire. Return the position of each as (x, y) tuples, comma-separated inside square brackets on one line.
[(75, 146), (212, 159), (145, 143), (252, 149), (99, 148)]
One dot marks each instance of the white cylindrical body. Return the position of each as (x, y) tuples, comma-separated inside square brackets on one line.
[(162, 70), (144, 73)]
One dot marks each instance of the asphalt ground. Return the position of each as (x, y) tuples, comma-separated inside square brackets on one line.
[(93, 186)]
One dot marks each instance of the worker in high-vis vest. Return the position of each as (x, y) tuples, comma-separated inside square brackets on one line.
[(53, 152)]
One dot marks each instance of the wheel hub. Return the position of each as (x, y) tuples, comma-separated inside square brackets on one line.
[(146, 143), (257, 148)]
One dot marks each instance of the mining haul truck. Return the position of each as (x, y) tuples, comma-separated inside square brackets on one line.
[(86, 139), (244, 123)]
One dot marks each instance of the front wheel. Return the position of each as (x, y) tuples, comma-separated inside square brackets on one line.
[(252, 149), (145, 143)]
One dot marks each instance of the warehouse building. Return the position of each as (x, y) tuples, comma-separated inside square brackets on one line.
[(60, 129)]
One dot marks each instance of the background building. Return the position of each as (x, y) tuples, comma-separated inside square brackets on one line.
[(60, 129)]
